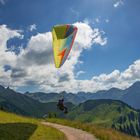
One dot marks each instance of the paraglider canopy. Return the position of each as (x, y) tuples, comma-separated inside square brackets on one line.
[(63, 39)]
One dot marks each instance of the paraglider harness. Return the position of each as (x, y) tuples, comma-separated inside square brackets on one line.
[(61, 106)]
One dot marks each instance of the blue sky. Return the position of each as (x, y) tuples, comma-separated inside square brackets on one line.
[(120, 24)]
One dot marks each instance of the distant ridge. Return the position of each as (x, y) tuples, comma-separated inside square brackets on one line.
[(130, 96)]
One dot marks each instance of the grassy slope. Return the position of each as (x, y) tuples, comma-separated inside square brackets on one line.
[(99, 132), (12, 101), (108, 113), (13, 127), (100, 111)]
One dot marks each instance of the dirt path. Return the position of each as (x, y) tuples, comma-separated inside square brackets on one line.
[(72, 133)]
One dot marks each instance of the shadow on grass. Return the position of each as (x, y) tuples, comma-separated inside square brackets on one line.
[(16, 131)]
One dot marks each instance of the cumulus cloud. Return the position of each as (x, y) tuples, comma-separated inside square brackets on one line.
[(87, 36), (18, 73), (64, 77), (38, 51), (114, 79), (34, 65), (7, 58), (79, 73), (118, 3), (132, 73), (32, 27)]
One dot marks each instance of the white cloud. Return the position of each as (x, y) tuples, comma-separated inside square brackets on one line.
[(5, 35), (98, 37), (115, 79), (87, 36), (7, 58), (79, 73), (32, 27), (87, 21), (118, 3), (132, 73), (35, 66), (93, 21)]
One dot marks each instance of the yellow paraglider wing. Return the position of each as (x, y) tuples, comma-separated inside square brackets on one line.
[(63, 39)]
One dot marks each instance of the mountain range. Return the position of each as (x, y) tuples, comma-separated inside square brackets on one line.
[(18, 103), (103, 108), (130, 96)]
